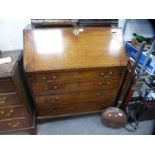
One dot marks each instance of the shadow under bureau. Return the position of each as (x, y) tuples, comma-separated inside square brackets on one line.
[(73, 71)]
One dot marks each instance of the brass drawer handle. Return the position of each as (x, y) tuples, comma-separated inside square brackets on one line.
[(103, 85), (3, 100), (106, 76), (53, 99), (100, 83), (54, 88), (45, 78), (7, 114), (14, 125), (54, 77)]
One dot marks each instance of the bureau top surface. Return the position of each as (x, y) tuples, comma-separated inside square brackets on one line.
[(72, 48), (7, 69)]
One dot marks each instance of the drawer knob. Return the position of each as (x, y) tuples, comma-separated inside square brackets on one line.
[(106, 76), (53, 99), (100, 83), (57, 97), (102, 73), (108, 83), (55, 87), (14, 125), (45, 88), (54, 76), (44, 78), (2, 112), (7, 114), (3, 100)]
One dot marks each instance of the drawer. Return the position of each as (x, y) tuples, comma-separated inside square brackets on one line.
[(68, 87), (98, 95), (49, 100), (12, 112), (59, 99), (6, 86), (98, 74), (9, 99), (74, 108), (10, 125)]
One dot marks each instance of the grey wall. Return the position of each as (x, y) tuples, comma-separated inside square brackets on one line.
[(11, 31), (142, 27)]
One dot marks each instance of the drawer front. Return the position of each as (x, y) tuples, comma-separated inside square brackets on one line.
[(98, 95), (74, 108), (6, 86), (15, 124), (9, 99), (43, 89), (12, 112), (98, 74), (50, 100)]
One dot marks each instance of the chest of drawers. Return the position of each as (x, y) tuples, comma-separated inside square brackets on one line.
[(73, 73), (16, 114)]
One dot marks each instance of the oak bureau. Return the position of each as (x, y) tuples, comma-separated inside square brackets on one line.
[(73, 71), (16, 112)]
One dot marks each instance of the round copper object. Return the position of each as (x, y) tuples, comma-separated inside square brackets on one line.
[(114, 117)]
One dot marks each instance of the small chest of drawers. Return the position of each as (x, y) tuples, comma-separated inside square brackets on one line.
[(16, 114), (72, 74)]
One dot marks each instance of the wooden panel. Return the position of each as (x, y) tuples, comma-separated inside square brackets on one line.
[(12, 112), (14, 124), (6, 85), (40, 89), (74, 108), (98, 74), (59, 48), (50, 100), (9, 99)]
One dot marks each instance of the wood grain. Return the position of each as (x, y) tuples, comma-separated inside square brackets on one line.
[(58, 48)]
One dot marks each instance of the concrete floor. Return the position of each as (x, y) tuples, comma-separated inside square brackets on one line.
[(89, 125)]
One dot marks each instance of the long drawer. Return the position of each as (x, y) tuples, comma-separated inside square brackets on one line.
[(60, 99), (68, 87), (12, 112), (74, 108), (9, 99), (14, 124), (99, 74), (6, 86)]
